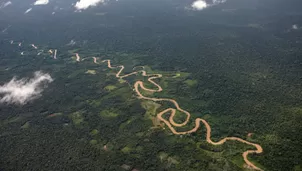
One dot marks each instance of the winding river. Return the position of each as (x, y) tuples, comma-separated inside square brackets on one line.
[(139, 85), (171, 123)]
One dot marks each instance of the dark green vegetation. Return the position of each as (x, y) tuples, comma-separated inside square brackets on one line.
[(238, 69), (95, 122)]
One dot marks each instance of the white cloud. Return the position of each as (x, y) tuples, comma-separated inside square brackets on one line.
[(41, 2), (4, 30), (84, 4), (3, 5), (202, 4), (28, 10), (295, 27), (24, 90), (199, 5), (71, 43), (215, 2)]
